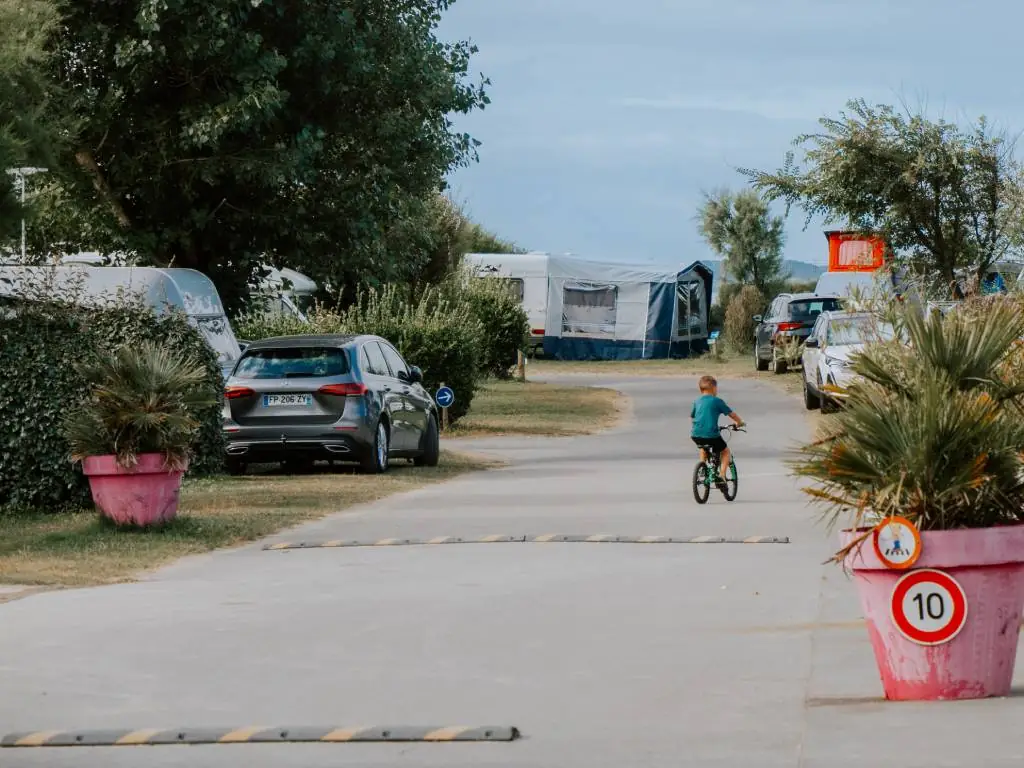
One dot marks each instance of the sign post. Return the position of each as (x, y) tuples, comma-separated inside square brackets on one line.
[(928, 607), (444, 399)]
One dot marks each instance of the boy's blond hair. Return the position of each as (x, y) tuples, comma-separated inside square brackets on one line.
[(707, 383)]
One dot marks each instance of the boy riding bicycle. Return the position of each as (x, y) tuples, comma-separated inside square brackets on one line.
[(705, 431)]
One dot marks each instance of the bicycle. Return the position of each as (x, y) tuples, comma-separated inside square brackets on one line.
[(706, 473)]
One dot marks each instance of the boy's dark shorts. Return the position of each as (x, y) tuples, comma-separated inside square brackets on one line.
[(717, 444)]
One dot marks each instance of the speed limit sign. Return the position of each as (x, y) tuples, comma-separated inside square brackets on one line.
[(928, 607)]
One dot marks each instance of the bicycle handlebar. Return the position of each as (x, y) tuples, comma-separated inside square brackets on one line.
[(733, 427)]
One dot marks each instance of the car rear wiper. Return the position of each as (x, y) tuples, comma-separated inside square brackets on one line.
[(300, 375)]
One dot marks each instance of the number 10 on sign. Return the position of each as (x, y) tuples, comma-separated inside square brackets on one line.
[(929, 607)]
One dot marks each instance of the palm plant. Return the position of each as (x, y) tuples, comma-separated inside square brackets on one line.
[(142, 399), (934, 431), (789, 349)]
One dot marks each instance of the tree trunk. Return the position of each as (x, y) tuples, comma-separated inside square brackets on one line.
[(87, 163)]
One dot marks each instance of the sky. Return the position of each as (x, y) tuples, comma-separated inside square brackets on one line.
[(610, 118)]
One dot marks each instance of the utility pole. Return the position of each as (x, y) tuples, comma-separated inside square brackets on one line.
[(22, 174)]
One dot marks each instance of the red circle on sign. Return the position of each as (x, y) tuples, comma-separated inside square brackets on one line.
[(954, 616)]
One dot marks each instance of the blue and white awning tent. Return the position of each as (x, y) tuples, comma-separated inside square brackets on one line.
[(605, 311)]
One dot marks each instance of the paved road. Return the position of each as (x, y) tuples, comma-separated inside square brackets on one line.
[(604, 655)]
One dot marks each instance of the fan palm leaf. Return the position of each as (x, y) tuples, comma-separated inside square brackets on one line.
[(933, 431), (141, 400)]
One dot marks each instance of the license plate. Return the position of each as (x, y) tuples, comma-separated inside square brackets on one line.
[(295, 401)]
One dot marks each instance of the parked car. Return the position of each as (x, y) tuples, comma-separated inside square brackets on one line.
[(790, 315), (833, 339), (299, 399)]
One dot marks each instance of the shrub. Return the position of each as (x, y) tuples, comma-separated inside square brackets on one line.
[(739, 328), (789, 349), (504, 322), (142, 399), (442, 338), (257, 325), (41, 345)]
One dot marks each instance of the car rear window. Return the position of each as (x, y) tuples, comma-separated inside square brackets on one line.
[(292, 363), (803, 308)]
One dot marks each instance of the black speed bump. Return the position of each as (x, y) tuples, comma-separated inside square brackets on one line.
[(548, 538), (258, 735)]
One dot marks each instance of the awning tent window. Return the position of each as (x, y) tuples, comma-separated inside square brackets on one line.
[(690, 299), (589, 310)]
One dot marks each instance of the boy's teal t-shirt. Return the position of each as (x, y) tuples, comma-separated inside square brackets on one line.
[(705, 412)]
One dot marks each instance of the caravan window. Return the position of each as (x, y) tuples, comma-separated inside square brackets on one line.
[(218, 335), (514, 286), (589, 310)]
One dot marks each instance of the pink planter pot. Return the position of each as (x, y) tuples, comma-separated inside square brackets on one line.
[(988, 563), (147, 494)]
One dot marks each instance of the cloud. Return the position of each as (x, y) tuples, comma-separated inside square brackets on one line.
[(605, 142), (799, 105)]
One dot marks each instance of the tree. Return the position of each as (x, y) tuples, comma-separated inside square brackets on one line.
[(739, 227), (28, 128), (451, 234), (944, 198), (223, 134), (739, 325)]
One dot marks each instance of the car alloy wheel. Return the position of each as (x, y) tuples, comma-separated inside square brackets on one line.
[(382, 447)]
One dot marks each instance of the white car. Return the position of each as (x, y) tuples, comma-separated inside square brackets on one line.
[(826, 358)]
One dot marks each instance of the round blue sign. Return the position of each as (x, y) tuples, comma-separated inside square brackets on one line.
[(444, 397)]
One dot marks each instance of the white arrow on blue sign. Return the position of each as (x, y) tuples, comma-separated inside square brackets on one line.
[(444, 397)]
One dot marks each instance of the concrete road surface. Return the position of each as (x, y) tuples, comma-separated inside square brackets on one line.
[(602, 654)]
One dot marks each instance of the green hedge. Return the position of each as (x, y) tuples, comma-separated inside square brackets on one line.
[(39, 346), (506, 327), (441, 337)]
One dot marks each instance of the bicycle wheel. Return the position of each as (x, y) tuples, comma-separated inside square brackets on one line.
[(732, 482), (701, 483)]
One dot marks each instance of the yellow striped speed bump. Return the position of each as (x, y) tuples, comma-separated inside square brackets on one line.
[(258, 735), (547, 538)]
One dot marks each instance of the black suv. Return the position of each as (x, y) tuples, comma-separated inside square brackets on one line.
[(789, 315)]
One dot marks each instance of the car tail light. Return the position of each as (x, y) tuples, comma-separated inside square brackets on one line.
[(233, 393), (790, 326), (343, 390)]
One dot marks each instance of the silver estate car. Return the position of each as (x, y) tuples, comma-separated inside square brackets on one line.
[(299, 399)]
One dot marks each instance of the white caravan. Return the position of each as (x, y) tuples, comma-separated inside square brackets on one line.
[(527, 278), (190, 291), (281, 291)]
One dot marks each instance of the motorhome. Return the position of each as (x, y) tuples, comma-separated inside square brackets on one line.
[(187, 290), (581, 309)]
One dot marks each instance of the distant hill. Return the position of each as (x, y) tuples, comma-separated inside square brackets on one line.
[(802, 271)]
